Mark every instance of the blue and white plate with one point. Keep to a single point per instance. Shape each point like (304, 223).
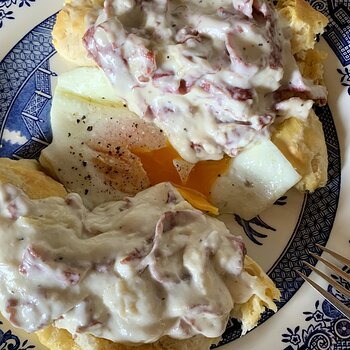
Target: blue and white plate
(279, 239)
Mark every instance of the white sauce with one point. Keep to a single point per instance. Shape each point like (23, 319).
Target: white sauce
(208, 73)
(128, 271)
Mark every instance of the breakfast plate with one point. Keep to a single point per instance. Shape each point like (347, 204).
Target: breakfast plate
(279, 239)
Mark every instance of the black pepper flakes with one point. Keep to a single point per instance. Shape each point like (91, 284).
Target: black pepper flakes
(89, 128)
(84, 163)
(69, 134)
(86, 191)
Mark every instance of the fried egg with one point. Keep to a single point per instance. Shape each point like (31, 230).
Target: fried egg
(104, 152)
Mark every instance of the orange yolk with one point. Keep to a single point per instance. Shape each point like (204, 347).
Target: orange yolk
(159, 167)
(197, 199)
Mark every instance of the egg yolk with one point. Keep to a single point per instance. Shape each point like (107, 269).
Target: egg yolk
(159, 167)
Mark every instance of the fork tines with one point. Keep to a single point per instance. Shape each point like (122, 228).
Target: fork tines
(331, 298)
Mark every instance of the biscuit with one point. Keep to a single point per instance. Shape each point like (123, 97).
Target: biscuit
(60, 339)
(29, 177)
(310, 63)
(303, 144)
(71, 24)
(264, 293)
(305, 23)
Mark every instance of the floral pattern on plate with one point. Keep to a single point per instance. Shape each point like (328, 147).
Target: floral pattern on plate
(328, 329)
(6, 13)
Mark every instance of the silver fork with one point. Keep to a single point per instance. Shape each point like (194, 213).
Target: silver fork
(331, 298)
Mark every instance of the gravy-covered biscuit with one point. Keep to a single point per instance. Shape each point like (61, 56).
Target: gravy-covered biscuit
(248, 313)
(305, 23)
(260, 291)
